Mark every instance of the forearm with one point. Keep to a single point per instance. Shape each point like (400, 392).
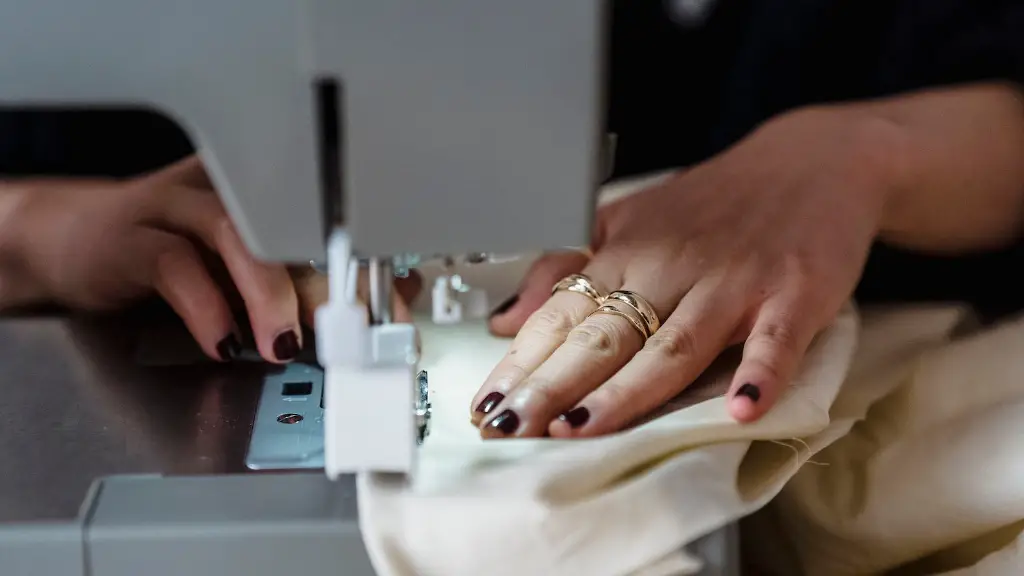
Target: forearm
(958, 166)
(17, 289)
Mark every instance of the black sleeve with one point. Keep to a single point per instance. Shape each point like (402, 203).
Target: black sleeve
(942, 42)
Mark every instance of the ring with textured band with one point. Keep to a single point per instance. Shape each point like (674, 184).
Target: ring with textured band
(623, 310)
(641, 305)
(580, 284)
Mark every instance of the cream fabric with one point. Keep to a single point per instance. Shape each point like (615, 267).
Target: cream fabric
(623, 504)
(932, 478)
(920, 469)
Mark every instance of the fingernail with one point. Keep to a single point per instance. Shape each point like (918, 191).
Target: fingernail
(505, 306)
(506, 422)
(286, 346)
(576, 417)
(229, 348)
(750, 391)
(489, 402)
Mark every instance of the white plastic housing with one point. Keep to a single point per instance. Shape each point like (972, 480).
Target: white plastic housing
(444, 307)
(451, 307)
(369, 380)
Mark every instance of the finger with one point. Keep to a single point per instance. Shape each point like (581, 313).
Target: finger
(409, 288)
(311, 287)
(269, 296)
(544, 331)
(690, 339)
(266, 289)
(401, 311)
(180, 278)
(509, 317)
(777, 342)
(592, 352)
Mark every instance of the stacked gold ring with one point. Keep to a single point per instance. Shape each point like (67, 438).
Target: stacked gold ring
(642, 307)
(634, 308)
(580, 284)
(617, 308)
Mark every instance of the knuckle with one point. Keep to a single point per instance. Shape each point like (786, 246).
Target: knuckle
(777, 334)
(174, 254)
(775, 344)
(169, 268)
(549, 322)
(219, 224)
(594, 336)
(613, 395)
(673, 343)
(769, 368)
(540, 392)
(506, 376)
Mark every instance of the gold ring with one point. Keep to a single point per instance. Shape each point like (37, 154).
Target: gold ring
(580, 284)
(617, 308)
(642, 307)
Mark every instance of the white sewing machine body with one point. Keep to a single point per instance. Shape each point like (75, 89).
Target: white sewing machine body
(405, 130)
(367, 135)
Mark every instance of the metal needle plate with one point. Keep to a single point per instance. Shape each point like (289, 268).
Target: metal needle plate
(288, 432)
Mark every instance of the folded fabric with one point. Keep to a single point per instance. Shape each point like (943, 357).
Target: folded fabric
(617, 505)
(930, 477)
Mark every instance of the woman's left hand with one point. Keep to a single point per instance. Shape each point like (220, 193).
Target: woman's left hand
(761, 245)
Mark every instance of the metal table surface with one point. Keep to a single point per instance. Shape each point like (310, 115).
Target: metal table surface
(76, 404)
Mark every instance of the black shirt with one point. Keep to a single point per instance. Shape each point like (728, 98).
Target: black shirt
(87, 143)
(680, 95)
(681, 92)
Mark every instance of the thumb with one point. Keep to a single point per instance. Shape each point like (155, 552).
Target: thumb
(188, 172)
(509, 317)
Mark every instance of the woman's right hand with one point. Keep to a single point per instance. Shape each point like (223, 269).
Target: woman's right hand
(99, 245)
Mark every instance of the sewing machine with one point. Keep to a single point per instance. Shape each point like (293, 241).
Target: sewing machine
(352, 136)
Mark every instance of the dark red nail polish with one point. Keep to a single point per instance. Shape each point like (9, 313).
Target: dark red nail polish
(505, 306)
(286, 346)
(750, 391)
(576, 417)
(229, 348)
(506, 422)
(489, 402)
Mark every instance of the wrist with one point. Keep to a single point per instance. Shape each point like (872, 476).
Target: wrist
(872, 161)
(878, 162)
(896, 170)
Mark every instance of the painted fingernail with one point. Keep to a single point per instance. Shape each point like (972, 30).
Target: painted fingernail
(489, 402)
(505, 306)
(229, 348)
(576, 417)
(506, 422)
(286, 346)
(750, 391)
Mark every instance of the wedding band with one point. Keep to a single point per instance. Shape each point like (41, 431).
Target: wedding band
(580, 284)
(642, 307)
(622, 310)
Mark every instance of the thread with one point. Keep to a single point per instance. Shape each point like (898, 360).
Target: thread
(797, 452)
